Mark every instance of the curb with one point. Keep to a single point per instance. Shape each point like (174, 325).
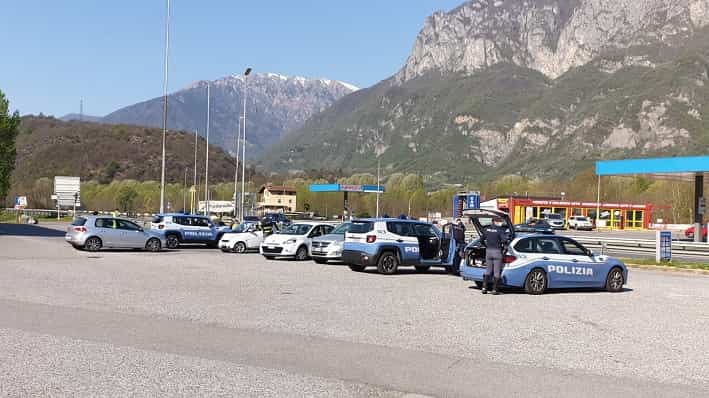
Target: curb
(664, 268)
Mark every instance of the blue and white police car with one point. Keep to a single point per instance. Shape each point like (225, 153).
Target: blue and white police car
(186, 229)
(538, 262)
(390, 243)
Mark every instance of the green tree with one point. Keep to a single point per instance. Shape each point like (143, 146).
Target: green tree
(8, 133)
(125, 197)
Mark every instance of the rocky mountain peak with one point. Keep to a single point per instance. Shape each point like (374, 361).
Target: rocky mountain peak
(550, 36)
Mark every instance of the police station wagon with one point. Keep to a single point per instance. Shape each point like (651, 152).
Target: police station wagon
(538, 262)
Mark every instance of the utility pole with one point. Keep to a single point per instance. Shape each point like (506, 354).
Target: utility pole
(206, 160)
(243, 149)
(378, 187)
(236, 169)
(164, 110)
(193, 191)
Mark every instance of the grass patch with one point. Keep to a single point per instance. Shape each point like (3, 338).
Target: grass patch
(672, 264)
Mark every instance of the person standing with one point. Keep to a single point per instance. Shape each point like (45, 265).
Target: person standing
(495, 236)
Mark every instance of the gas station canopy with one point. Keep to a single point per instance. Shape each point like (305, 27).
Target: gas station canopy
(346, 188)
(685, 168)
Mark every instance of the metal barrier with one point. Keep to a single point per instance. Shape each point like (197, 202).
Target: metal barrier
(643, 246)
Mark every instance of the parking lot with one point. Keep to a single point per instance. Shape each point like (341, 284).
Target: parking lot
(198, 322)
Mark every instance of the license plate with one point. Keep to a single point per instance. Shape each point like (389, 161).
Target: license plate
(271, 247)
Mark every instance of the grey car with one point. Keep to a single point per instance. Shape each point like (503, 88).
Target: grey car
(329, 247)
(92, 233)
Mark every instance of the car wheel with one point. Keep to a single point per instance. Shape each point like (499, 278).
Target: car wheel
(424, 268)
(153, 245)
(357, 268)
(239, 247)
(321, 261)
(301, 254)
(615, 280)
(536, 282)
(93, 244)
(388, 263)
(172, 242)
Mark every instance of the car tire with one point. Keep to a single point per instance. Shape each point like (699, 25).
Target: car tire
(239, 247)
(536, 282)
(269, 257)
(388, 263)
(172, 241)
(301, 254)
(422, 269)
(615, 280)
(77, 247)
(357, 268)
(321, 261)
(153, 245)
(93, 244)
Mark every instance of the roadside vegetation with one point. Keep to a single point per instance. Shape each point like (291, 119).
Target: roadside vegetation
(678, 264)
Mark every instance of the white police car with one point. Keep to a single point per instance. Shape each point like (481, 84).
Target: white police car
(538, 262)
(294, 240)
(390, 243)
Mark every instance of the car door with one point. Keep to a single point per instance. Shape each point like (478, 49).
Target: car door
(403, 236)
(132, 235)
(552, 258)
(106, 232)
(586, 271)
(429, 242)
(200, 230)
(314, 233)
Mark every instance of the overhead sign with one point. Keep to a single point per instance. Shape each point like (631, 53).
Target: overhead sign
(346, 188)
(20, 202)
(67, 190)
(473, 200)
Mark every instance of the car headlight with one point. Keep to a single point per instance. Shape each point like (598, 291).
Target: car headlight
(290, 241)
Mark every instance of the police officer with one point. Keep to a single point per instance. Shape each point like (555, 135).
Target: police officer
(460, 224)
(267, 226)
(494, 236)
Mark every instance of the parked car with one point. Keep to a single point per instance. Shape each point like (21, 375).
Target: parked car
(93, 233)
(246, 236)
(390, 243)
(535, 227)
(555, 220)
(539, 262)
(181, 229)
(580, 223)
(329, 247)
(689, 233)
(278, 219)
(294, 241)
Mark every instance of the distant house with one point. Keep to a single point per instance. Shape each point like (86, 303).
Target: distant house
(274, 198)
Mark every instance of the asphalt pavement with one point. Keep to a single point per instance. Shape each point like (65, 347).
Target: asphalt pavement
(198, 322)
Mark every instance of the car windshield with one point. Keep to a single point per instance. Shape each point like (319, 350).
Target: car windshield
(341, 229)
(361, 227)
(296, 229)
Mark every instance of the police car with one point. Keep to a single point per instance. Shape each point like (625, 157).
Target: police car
(538, 262)
(187, 228)
(390, 243)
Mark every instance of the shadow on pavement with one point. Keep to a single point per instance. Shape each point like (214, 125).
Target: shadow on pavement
(29, 230)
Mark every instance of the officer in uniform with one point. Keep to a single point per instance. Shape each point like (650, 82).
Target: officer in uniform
(495, 237)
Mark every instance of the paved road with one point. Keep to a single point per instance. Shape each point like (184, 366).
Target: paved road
(197, 322)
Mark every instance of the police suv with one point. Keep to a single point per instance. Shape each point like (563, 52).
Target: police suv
(538, 262)
(390, 243)
(187, 228)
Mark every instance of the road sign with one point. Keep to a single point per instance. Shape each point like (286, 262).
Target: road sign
(20, 202)
(68, 191)
(663, 246)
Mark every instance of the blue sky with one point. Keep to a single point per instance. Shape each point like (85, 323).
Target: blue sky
(110, 53)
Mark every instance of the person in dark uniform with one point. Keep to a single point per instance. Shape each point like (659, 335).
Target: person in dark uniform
(495, 237)
(267, 226)
(460, 224)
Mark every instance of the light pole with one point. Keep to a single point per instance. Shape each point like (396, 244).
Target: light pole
(164, 110)
(236, 168)
(193, 191)
(378, 188)
(206, 160)
(243, 149)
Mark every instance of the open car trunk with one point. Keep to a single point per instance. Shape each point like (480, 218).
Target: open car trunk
(481, 218)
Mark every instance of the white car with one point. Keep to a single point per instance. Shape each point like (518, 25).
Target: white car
(294, 241)
(580, 222)
(247, 236)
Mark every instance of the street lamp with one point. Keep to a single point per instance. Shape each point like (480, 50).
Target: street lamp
(164, 110)
(247, 72)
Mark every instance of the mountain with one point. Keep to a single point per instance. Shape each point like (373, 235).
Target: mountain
(535, 87)
(276, 104)
(82, 118)
(47, 147)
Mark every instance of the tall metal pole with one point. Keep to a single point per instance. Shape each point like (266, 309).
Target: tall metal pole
(378, 189)
(598, 203)
(243, 149)
(236, 169)
(193, 195)
(164, 109)
(184, 193)
(206, 161)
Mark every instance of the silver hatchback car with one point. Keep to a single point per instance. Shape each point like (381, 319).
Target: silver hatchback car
(92, 233)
